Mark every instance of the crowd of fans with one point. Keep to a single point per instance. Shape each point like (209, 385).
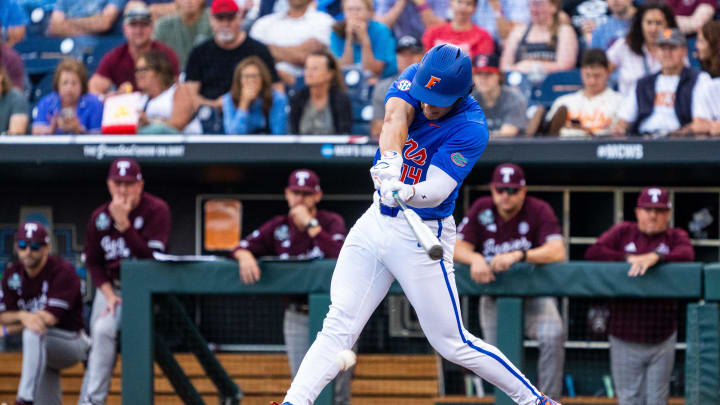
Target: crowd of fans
(304, 67)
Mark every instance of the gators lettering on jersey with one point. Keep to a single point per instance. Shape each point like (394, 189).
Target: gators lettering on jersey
(453, 143)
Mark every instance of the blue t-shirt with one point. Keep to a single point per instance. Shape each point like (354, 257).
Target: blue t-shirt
(453, 143)
(86, 8)
(11, 15)
(88, 110)
(605, 34)
(254, 121)
(383, 47)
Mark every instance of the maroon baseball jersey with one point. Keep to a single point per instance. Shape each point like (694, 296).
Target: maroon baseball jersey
(642, 320)
(105, 246)
(687, 7)
(280, 237)
(56, 289)
(483, 227)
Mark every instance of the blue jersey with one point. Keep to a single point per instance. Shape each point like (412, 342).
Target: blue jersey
(453, 143)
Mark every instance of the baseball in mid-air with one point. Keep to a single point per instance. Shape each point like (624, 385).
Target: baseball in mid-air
(346, 359)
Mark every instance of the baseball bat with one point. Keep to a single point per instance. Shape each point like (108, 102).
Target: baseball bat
(429, 242)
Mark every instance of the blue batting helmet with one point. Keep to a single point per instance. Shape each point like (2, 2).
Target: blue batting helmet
(443, 76)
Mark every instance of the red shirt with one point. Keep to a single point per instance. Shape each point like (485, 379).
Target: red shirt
(491, 235)
(642, 320)
(119, 66)
(55, 289)
(687, 7)
(475, 41)
(106, 247)
(280, 237)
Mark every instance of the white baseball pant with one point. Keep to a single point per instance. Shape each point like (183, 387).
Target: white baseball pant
(378, 250)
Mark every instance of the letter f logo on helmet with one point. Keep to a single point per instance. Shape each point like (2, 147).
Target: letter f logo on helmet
(431, 82)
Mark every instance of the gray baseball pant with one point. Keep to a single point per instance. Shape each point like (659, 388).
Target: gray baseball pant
(44, 355)
(103, 352)
(641, 372)
(296, 329)
(543, 323)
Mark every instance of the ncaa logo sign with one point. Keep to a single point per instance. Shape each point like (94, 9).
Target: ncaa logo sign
(403, 85)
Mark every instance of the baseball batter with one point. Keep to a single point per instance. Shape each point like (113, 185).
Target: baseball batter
(41, 299)
(432, 135)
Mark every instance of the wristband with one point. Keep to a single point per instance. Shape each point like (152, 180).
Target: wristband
(524, 255)
(423, 7)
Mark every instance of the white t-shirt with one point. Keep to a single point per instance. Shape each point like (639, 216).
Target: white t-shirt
(281, 30)
(631, 66)
(663, 118)
(595, 113)
(709, 106)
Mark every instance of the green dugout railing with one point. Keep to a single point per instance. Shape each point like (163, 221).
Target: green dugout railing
(142, 279)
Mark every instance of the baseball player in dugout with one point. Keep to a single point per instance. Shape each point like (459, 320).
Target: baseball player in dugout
(643, 332)
(133, 224)
(304, 232)
(506, 228)
(41, 299)
(432, 135)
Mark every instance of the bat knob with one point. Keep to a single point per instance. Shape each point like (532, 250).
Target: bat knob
(436, 252)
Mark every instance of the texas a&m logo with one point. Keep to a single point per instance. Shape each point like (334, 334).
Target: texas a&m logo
(30, 229)
(431, 82)
(418, 155)
(302, 177)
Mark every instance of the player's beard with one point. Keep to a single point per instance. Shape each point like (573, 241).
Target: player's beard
(225, 36)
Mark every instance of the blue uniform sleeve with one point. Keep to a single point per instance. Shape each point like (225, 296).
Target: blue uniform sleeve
(383, 44)
(401, 87)
(461, 150)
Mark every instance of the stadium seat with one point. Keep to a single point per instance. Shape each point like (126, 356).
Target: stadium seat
(39, 20)
(211, 120)
(692, 52)
(42, 54)
(554, 86)
(103, 46)
(42, 88)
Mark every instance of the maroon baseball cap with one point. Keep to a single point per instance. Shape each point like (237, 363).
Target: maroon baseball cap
(654, 197)
(304, 180)
(508, 175)
(32, 232)
(224, 7)
(125, 169)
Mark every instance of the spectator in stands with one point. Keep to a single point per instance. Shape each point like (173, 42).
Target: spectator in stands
(292, 35)
(411, 17)
(665, 102)
(41, 299)
(14, 109)
(362, 41)
(162, 8)
(13, 63)
(543, 46)
(323, 107)
(643, 332)
(184, 29)
(592, 110)
(691, 15)
(305, 232)
(134, 224)
(117, 67)
(13, 21)
(69, 109)
(208, 82)
(167, 104)
(635, 55)
(616, 26)
(499, 17)
(252, 106)
(509, 228)
(72, 18)
(461, 31)
(409, 50)
(504, 106)
(708, 47)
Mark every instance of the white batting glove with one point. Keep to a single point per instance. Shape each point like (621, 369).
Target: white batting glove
(405, 192)
(389, 167)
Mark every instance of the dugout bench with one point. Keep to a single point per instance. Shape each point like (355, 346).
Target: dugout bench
(580, 279)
